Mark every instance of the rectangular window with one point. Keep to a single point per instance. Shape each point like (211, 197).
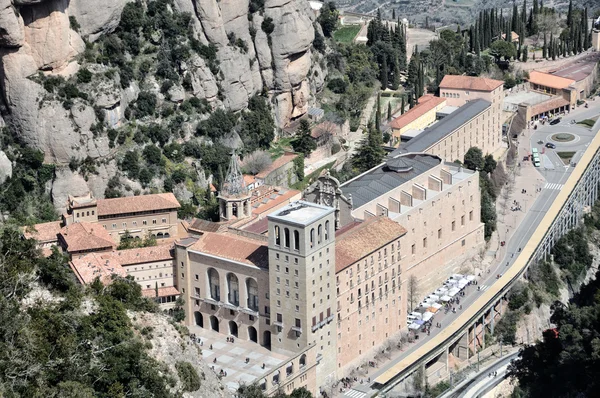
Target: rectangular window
(413, 249)
(164, 220)
(114, 226)
(279, 318)
(197, 291)
(124, 225)
(145, 222)
(471, 215)
(196, 276)
(298, 323)
(462, 220)
(92, 212)
(153, 221)
(424, 242)
(453, 225)
(463, 242)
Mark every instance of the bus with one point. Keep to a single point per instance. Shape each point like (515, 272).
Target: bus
(536, 159)
(534, 151)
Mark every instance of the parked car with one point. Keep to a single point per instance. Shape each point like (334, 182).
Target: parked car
(550, 145)
(555, 121)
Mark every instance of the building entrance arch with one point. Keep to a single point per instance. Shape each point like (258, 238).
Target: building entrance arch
(214, 323)
(233, 328)
(267, 339)
(199, 319)
(252, 335)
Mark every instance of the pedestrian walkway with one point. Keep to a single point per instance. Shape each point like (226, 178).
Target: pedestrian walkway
(354, 394)
(483, 288)
(557, 187)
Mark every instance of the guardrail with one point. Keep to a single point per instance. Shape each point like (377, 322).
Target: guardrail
(530, 252)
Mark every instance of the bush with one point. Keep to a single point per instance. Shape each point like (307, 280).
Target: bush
(84, 75)
(337, 85)
(146, 104)
(73, 24)
(267, 25)
(152, 154)
(188, 376)
(256, 161)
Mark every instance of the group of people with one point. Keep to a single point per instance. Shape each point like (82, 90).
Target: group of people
(516, 206)
(195, 339)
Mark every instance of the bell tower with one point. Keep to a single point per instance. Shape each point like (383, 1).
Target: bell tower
(234, 198)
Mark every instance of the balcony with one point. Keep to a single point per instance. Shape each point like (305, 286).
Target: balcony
(230, 306)
(249, 311)
(278, 323)
(297, 329)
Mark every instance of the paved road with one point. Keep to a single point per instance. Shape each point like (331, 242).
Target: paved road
(535, 212)
(482, 382)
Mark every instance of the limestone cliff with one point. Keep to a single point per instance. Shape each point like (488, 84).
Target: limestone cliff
(40, 39)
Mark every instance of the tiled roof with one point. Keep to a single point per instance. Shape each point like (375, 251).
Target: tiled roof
(277, 163)
(133, 204)
(233, 247)
(86, 236)
(249, 179)
(91, 265)
(45, 232)
(426, 104)
(380, 180)
(143, 255)
(363, 239)
(548, 105)
(548, 80)
(162, 292)
(470, 83)
(200, 225)
(436, 132)
(281, 198)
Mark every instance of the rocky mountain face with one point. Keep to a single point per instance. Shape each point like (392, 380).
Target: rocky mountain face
(261, 47)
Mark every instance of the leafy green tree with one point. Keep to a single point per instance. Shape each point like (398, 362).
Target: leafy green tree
(474, 159)
(188, 376)
(303, 142)
(370, 153)
(489, 164)
(328, 18)
(502, 50)
(152, 154)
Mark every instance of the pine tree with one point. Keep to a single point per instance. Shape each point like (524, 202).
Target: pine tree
(525, 53)
(389, 113)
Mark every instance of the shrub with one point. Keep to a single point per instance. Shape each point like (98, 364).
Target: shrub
(337, 85)
(152, 154)
(188, 376)
(267, 25)
(256, 161)
(84, 75)
(146, 104)
(73, 24)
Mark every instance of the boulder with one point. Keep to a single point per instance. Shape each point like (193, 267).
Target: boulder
(95, 19)
(11, 26)
(5, 167)
(83, 116)
(176, 94)
(47, 32)
(67, 183)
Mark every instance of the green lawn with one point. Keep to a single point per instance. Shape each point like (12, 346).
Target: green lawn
(346, 34)
(565, 156)
(589, 122)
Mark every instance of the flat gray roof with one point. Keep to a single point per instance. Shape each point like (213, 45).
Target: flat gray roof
(444, 127)
(381, 179)
(300, 213)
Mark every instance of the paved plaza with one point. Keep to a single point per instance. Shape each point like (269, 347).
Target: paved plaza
(231, 357)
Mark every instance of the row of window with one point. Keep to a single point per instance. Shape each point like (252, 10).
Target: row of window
(287, 243)
(134, 223)
(83, 213)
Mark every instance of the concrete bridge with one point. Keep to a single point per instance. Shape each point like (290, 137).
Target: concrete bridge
(467, 333)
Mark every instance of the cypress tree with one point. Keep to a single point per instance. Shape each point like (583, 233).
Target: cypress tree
(403, 105)
(515, 17)
(525, 53)
(389, 115)
(393, 13)
(535, 8)
(410, 100)
(544, 48)
(378, 114)
(588, 36)
(384, 73)
(396, 77)
(570, 14)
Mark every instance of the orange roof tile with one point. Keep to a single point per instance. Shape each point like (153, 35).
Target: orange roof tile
(134, 204)
(143, 255)
(363, 239)
(549, 105)
(470, 83)
(426, 104)
(233, 247)
(91, 265)
(277, 163)
(162, 292)
(548, 80)
(86, 236)
(249, 179)
(43, 233)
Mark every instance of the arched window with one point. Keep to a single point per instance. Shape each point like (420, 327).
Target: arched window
(320, 233)
(312, 237)
(303, 360)
(296, 240)
(327, 230)
(277, 235)
(286, 237)
(252, 289)
(233, 294)
(213, 280)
